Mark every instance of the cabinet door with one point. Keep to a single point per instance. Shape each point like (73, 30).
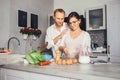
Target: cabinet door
(8, 74)
(34, 76)
(0, 74)
(113, 30)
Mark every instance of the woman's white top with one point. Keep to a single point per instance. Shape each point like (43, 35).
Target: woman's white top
(80, 43)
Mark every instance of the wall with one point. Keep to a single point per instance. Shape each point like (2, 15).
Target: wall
(4, 21)
(10, 21)
(78, 5)
(113, 20)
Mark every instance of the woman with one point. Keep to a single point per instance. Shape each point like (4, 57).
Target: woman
(75, 40)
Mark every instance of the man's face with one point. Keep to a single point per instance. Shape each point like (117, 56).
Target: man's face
(59, 18)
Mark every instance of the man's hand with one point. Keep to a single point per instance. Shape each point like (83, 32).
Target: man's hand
(63, 33)
(60, 36)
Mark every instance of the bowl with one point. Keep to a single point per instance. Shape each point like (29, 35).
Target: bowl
(84, 59)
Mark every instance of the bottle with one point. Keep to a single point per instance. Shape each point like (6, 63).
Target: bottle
(57, 55)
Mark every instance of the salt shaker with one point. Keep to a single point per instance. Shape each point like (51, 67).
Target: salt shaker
(57, 55)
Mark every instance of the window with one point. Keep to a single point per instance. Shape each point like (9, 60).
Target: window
(22, 18)
(34, 21)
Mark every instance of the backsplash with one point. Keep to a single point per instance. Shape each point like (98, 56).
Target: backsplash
(99, 37)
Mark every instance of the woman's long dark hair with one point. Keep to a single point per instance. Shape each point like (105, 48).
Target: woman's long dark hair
(73, 14)
(77, 16)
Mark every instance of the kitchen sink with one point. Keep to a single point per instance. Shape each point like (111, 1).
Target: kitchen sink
(10, 58)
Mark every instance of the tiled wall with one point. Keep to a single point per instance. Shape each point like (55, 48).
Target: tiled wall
(99, 37)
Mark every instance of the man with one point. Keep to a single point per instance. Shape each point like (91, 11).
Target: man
(56, 31)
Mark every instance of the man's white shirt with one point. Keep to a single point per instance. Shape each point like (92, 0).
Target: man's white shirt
(51, 33)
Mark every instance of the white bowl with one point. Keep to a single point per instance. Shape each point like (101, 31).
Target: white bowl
(84, 59)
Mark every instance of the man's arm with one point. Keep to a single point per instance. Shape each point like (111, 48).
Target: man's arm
(52, 42)
(49, 41)
(56, 39)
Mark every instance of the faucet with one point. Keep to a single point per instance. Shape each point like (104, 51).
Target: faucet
(11, 39)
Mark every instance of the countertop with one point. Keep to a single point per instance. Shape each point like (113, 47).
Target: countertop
(99, 71)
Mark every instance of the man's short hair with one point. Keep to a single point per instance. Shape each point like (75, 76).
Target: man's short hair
(59, 10)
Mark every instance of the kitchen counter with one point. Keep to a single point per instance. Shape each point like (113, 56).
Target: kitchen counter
(108, 71)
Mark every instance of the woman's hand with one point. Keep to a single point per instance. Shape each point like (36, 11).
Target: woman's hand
(77, 55)
(66, 50)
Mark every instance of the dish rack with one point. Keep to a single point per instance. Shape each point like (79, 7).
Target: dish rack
(99, 57)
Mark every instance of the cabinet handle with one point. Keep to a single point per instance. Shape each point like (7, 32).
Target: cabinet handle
(108, 52)
(108, 49)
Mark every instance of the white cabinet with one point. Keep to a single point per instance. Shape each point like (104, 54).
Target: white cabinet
(0, 74)
(8, 74)
(34, 76)
(95, 18)
(113, 30)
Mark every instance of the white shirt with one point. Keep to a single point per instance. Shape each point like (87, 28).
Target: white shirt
(51, 33)
(83, 41)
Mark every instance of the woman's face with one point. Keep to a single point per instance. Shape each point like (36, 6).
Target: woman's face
(74, 23)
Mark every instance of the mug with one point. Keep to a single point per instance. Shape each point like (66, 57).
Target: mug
(84, 56)
(84, 59)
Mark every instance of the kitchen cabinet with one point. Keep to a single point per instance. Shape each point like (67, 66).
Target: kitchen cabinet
(95, 18)
(8, 74)
(113, 30)
(0, 74)
(34, 76)
(20, 71)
